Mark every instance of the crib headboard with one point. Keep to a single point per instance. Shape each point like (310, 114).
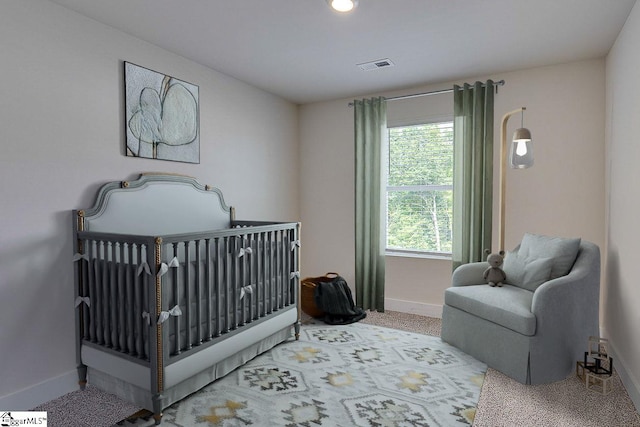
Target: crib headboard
(157, 204)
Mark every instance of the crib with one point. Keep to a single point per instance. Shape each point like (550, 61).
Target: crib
(172, 292)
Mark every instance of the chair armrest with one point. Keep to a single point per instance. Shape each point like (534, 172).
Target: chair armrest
(580, 289)
(469, 274)
(567, 313)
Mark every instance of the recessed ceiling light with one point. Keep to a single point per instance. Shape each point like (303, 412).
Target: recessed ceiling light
(343, 5)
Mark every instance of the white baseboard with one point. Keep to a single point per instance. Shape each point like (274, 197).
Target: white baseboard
(631, 383)
(411, 307)
(30, 397)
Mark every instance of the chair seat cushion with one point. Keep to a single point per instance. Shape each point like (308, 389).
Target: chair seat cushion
(508, 306)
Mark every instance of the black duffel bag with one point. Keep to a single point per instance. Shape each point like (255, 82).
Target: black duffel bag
(334, 298)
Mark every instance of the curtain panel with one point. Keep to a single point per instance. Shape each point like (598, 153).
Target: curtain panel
(472, 171)
(370, 125)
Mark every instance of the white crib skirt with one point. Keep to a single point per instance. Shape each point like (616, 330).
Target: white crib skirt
(132, 382)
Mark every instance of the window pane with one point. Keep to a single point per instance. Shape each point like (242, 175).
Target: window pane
(421, 154)
(419, 220)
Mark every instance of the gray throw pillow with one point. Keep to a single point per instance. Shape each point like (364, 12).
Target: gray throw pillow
(563, 251)
(526, 273)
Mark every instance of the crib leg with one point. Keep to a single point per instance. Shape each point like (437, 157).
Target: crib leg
(82, 376)
(157, 408)
(296, 328)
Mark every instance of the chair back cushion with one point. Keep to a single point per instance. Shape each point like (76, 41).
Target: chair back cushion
(562, 250)
(526, 273)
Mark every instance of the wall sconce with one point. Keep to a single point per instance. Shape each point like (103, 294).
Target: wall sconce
(521, 157)
(343, 5)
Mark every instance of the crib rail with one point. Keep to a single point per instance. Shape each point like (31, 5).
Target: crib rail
(114, 291)
(209, 284)
(228, 280)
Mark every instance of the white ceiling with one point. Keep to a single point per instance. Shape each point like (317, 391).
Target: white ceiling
(304, 52)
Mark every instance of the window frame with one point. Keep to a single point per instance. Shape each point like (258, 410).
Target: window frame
(413, 253)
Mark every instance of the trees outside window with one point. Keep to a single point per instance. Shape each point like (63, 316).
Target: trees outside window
(420, 188)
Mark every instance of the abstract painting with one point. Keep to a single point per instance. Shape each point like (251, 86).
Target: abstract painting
(162, 116)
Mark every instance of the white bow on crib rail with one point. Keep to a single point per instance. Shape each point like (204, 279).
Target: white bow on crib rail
(174, 263)
(164, 315)
(294, 274)
(294, 244)
(246, 289)
(78, 256)
(146, 315)
(80, 300)
(244, 251)
(144, 267)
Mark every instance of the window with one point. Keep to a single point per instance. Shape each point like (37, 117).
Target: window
(420, 188)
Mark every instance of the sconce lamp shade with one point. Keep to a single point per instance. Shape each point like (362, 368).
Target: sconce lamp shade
(521, 149)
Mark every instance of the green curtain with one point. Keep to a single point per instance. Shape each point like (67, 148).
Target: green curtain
(472, 171)
(370, 123)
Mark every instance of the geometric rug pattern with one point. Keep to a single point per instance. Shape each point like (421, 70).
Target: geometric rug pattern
(342, 375)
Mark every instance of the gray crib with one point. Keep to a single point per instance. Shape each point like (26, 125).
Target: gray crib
(172, 292)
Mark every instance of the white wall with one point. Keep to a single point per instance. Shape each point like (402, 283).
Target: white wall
(61, 134)
(622, 294)
(562, 195)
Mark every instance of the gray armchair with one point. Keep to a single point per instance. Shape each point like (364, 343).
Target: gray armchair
(533, 336)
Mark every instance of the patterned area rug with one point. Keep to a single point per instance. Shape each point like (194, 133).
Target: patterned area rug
(353, 375)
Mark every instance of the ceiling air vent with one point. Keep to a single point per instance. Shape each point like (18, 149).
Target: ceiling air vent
(374, 65)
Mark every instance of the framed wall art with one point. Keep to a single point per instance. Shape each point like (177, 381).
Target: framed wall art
(162, 116)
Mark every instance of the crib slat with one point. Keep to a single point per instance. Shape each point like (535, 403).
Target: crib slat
(129, 284)
(120, 301)
(286, 269)
(279, 270)
(106, 295)
(249, 281)
(233, 292)
(218, 288)
(97, 272)
(269, 273)
(208, 284)
(176, 296)
(113, 295)
(280, 261)
(98, 293)
(91, 280)
(252, 279)
(261, 277)
(243, 282)
(293, 256)
(137, 308)
(146, 279)
(225, 284)
(84, 291)
(188, 294)
(100, 281)
(198, 285)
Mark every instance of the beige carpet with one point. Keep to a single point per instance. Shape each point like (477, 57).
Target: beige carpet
(86, 408)
(507, 403)
(503, 401)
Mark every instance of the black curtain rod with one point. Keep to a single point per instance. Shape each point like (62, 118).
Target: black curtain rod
(435, 92)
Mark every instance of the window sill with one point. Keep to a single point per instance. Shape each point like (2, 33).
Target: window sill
(416, 254)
